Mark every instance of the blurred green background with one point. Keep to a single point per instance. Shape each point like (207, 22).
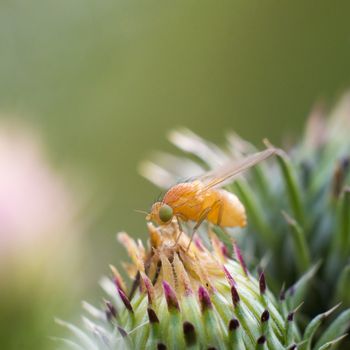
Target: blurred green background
(105, 80)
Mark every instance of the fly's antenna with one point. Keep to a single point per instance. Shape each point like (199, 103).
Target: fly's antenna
(160, 196)
(141, 211)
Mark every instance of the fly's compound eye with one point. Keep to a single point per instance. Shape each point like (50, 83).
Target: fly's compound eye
(165, 213)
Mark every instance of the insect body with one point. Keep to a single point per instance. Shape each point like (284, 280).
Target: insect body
(189, 201)
(203, 199)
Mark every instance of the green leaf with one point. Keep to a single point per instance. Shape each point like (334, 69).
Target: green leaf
(301, 249)
(192, 314)
(313, 326)
(337, 328)
(255, 212)
(234, 335)
(290, 326)
(296, 293)
(343, 232)
(293, 190)
(332, 343)
(343, 286)
(261, 181)
(175, 336)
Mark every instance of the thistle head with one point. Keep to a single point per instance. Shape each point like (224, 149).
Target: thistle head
(194, 296)
(184, 297)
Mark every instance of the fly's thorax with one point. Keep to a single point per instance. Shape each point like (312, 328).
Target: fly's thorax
(181, 192)
(186, 199)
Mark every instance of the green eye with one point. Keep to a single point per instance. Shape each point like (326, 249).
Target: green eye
(165, 213)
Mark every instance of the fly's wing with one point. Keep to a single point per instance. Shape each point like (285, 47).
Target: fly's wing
(233, 169)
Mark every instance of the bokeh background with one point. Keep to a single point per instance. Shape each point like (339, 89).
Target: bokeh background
(101, 83)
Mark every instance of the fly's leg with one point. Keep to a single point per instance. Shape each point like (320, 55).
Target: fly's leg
(178, 217)
(217, 204)
(221, 210)
(202, 217)
(220, 204)
(180, 228)
(219, 220)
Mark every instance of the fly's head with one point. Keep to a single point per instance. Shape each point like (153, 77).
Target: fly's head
(161, 213)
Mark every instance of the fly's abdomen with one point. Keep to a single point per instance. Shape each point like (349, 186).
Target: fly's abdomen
(226, 209)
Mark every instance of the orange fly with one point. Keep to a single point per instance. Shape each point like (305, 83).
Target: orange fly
(203, 199)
